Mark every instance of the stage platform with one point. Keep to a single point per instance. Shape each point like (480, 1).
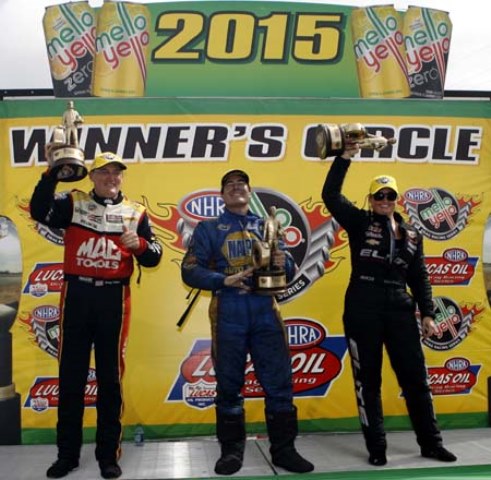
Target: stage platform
(335, 456)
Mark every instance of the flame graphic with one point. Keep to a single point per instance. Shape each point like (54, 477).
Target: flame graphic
(164, 220)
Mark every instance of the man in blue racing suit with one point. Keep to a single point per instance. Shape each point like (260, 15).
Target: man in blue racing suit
(220, 259)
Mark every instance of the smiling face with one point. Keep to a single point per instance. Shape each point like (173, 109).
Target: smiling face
(383, 202)
(107, 180)
(236, 194)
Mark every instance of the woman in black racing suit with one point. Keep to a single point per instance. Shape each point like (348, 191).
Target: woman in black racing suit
(386, 258)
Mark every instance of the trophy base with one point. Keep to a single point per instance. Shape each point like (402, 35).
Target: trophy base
(67, 164)
(269, 282)
(329, 140)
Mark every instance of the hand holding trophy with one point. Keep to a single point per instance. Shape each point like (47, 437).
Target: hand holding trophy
(332, 139)
(268, 278)
(65, 158)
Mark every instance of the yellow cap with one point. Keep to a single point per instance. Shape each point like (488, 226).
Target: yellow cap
(107, 158)
(383, 181)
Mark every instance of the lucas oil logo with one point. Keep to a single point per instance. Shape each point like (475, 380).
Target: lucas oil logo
(454, 267)
(437, 213)
(456, 377)
(44, 392)
(316, 360)
(45, 278)
(309, 233)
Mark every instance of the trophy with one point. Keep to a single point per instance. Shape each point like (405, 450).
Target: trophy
(332, 139)
(65, 157)
(268, 279)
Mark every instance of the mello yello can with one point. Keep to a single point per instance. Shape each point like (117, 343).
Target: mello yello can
(69, 31)
(379, 51)
(122, 43)
(427, 33)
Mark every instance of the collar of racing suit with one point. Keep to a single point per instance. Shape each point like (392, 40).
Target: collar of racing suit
(106, 201)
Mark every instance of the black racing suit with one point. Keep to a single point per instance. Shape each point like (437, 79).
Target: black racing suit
(94, 306)
(380, 311)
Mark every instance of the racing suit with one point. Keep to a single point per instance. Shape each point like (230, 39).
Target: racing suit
(242, 322)
(380, 311)
(94, 305)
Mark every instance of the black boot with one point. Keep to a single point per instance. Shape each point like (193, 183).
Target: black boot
(282, 431)
(231, 434)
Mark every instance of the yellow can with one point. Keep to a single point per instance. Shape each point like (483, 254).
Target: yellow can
(122, 43)
(379, 50)
(69, 30)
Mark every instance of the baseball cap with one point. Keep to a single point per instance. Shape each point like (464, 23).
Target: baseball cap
(234, 173)
(383, 181)
(107, 158)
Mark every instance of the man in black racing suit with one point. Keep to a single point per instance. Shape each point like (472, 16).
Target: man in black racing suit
(104, 232)
(386, 258)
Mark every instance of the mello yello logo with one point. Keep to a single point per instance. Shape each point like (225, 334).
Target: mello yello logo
(120, 41)
(377, 45)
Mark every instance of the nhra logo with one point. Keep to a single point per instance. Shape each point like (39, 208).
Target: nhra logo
(44, 393)
(309, 233)
(45, 278)
(453, 323)
(316, 362)
(456, 377)
(43, 325)
(454, 267)
(436, 213)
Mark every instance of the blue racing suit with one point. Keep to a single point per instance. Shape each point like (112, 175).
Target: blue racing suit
(242, 321)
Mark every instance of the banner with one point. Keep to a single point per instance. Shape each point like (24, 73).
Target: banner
(246, 49)
(177, 151)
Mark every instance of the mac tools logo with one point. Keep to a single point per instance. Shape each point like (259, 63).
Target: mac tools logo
(316, 362)
(436, 213)
(310, 234)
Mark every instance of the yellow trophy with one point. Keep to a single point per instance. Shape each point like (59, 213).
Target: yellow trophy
(268, 279)
(65, 158)
(332, 139)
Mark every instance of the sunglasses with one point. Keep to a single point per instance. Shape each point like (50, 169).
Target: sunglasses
(391, 196)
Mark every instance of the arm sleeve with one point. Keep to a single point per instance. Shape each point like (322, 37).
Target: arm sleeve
(419, 283)
(46, 208)
(150, 251)
(338, 205)
(197, 266)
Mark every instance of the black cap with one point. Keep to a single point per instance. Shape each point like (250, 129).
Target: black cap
(235, 173)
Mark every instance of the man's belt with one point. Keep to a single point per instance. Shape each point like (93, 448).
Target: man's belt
(97, 282)
(384, 282)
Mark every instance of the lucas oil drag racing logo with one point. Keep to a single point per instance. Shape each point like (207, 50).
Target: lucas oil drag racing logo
(317, 360)
(310, 234)
(436, 213)
(453, 267)
(456, 377)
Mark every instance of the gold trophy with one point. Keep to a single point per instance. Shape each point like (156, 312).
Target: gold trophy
(332, 139)
(65, 158)
(268, 279)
